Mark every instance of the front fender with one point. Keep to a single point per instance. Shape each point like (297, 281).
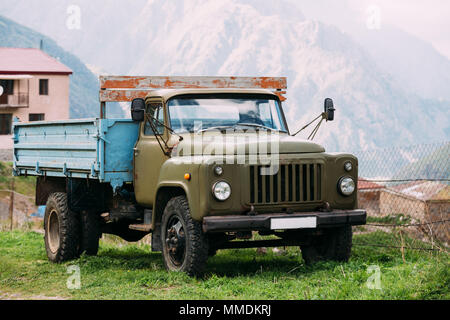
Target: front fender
(172, 176)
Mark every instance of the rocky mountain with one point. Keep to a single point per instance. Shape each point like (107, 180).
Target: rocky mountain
(413, 63)
(262, 38)
(239, 38)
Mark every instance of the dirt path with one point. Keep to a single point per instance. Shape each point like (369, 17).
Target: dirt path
(19, 296)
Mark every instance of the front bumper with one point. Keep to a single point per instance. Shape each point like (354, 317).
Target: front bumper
(263, 222)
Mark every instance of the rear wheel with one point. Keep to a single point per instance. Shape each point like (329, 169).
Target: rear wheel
(61, 228)
(335, 244)
(212, 252)
(90, 233)
(184, 246)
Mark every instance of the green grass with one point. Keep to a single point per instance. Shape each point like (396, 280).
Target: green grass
(23, 185)
(397, 219)
(132, 271)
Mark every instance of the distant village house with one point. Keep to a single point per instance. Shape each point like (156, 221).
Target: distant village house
(34, 87)
(422, 201)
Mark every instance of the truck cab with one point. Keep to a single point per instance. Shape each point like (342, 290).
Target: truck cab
(207, 163)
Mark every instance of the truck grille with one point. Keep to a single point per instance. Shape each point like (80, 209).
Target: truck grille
(292, 183)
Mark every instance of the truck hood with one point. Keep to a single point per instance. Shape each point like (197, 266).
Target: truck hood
(206, 144)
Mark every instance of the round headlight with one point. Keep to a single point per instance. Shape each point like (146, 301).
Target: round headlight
(346, 186)
(221, 190)
(218, 170)
(348, 166)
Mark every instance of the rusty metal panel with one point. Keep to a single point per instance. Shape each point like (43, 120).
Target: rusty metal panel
(136, 82)
(121, 95)
(127, 88)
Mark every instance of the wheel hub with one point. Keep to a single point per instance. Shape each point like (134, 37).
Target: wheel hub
(175, 240)
(53, 231)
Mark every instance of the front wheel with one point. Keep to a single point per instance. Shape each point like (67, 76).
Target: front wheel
(184, 246)
(335, 244)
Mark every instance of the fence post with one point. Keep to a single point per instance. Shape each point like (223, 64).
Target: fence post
(11, 204)
(403, 245)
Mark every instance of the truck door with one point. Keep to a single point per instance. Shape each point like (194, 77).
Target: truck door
(148, 155)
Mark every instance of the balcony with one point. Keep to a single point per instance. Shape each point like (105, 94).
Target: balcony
(18, 100)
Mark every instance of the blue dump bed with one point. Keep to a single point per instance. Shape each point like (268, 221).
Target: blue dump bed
(99, 149)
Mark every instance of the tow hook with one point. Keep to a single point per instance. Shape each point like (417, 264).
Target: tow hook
(252, 211)
(326, 207)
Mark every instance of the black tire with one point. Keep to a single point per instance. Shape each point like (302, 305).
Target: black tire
(62, 229)
(184, 245)
(212, 252)
(334, 245)
(90, 233)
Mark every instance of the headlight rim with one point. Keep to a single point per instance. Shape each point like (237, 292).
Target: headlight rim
(214, 187)
(340, 188)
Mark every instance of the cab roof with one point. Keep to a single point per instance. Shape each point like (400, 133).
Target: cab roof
(166, 94)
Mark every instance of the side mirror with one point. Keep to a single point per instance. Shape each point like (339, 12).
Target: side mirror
(329, 109)
(137, 109)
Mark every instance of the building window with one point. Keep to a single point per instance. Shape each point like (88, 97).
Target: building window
(43, 87)
(36, 117)
(8, 86)
(5, 123)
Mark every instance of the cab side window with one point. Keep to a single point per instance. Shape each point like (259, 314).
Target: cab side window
(155, 111)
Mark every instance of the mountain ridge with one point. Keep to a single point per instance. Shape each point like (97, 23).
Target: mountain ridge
(263, 38)
(84, 84)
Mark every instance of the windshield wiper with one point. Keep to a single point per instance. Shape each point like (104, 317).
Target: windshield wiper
(258, 126)
(237, 125)
(215, 128)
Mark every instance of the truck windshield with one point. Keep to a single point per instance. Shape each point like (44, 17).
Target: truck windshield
(194, 114)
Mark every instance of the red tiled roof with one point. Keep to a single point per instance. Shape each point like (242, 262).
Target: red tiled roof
(29, 61)
(425, 190)
(364, 184)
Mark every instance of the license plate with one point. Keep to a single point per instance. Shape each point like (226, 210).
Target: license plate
(293, 223)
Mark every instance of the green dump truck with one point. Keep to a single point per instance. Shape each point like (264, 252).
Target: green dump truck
(204, 163)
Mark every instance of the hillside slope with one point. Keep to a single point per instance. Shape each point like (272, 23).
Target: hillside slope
(221, 37)
(375, 108)
(83, 83)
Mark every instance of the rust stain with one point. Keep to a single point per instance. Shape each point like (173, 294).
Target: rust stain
(140, 82)
(270, 83)
(121, 95)
(110, 84)
(280, 95)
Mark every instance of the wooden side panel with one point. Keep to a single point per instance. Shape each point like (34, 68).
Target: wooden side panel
(131, 82)
(127, 88)
(119, 95)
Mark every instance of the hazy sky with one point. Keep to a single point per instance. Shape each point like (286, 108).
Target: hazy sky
(426, 19)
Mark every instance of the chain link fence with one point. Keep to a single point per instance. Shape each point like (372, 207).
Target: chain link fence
(17, 208)
(17, 211)
(406, 192)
